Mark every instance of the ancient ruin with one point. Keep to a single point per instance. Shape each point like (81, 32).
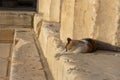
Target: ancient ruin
(32, 32)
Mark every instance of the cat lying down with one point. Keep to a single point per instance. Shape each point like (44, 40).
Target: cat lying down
(86, 45)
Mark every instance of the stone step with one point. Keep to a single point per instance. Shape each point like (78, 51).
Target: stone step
(5, 49)
(20, 57)
(26, 62)
(16, 18)
(6, 35)
(6, 41)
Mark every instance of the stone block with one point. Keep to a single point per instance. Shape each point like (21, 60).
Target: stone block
(90, 18)
(6, 35)
(37, 23)
(26, 62)
(3, 68)
(77, 19)
(106, 25)
(51, 50)
(117, 38)
(67, 19)
(16, 19)
(80, 19)
(55, 10)
(44, 7)
(5, 50)
(50, 9)
(60, 73)
(47, 29)
(49, 42)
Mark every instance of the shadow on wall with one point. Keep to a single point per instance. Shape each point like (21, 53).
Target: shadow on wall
(18, 4)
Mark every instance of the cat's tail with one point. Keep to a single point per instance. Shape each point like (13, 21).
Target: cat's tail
(106, 46)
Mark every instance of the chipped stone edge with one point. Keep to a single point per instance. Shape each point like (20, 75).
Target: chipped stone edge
(60, 69)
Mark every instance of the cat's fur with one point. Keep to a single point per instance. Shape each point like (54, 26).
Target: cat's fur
(87, 45)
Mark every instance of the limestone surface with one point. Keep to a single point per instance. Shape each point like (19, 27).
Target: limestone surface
(26, 62)
(100, 65)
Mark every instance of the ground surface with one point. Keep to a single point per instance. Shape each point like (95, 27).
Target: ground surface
(21, 59)
(101, 65)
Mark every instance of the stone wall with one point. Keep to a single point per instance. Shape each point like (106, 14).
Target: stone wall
(50, 9)
(98, 19)
(84, 18)
(78, 18)
(90, 18)
(106, 24)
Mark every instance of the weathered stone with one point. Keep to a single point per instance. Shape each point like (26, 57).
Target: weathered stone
(3, 68)
(67, 19)
(102, 66)
(107, 21)
(6, 35)
(3, 78)
(37, 23)
(44, 7)
(117, 38)
(55, 10)
(84, 69)
(26, 62)
(49, 44)
(47, 29)
(16, 19)
(50, 9)
(5, 50)
(90, 18)
(77, 19)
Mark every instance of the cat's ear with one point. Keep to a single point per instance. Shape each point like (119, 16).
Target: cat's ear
(69, 39)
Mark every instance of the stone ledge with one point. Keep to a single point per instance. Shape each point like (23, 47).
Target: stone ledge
(16, 18)
(26, 61)
(101, 65)
(37, 22)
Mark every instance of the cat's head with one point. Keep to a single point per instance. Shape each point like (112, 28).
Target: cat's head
(72, 44)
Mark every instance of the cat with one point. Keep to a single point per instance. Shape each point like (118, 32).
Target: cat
(86, 45)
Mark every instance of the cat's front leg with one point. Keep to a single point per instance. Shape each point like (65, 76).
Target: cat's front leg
(64, 52)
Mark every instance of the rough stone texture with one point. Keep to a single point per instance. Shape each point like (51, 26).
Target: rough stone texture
(37, 23)
(90, 18)
(26, 62)
(52, 48)
(50, 9)
(106, 24)
(3, 68)
(97, 19)
(55, 10)
(117, 34)
(19, 19)
(6, 35)
(77, 19)
(44, 7)
(67, 19)
(6, 39)
(84, 18)
(103, 66)
(5, 50)
(100, 65)
(45, 34)
(47, 39)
